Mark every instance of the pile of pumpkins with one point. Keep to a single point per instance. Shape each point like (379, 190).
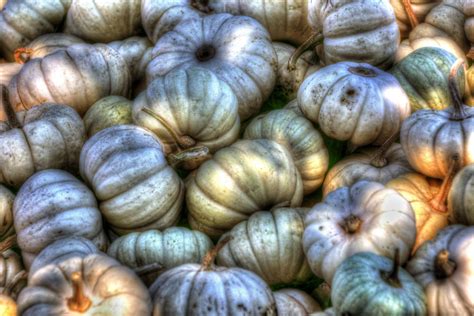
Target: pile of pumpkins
(236, 157)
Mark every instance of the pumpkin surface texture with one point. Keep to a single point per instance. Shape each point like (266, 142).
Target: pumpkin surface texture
(293, 302)
(461, 196)
(6, 212)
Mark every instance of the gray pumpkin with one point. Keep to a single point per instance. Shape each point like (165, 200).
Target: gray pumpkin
(136, 51)
(367, 283)
(52, 205)
(461, 196)
(6, 213)
(293, 302)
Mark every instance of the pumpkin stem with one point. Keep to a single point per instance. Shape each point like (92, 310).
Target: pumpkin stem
(8, 243)
(443, 266)
(78, 302)
(392, 276)
(210, 256)
(192, 156)
(182, 141)
(458, 113)
(7, 108)
(439, 201)
(351, 224)
(22, 55)
(201, 5)
(378, 159)
(312, 41)
(411, 15)
(205, 53)
(149, 268)
(20, 276)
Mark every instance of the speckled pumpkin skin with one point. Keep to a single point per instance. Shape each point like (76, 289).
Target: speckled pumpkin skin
(293, 302)
(461, 196)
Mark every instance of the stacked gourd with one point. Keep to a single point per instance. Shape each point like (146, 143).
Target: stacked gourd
(195, 157)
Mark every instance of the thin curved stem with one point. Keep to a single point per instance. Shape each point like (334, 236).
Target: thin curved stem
(312, 41)
(210, 256)
(378, 158)
(411, 15)
(439, 202)
(8, 243)
(79, 302)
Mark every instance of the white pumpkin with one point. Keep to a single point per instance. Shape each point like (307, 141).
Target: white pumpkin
(354, 102)
(236, 48)
(136, 51)
(293, 302)
(409, 46)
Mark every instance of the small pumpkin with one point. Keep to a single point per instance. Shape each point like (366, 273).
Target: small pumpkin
(53, 204)
(77, 76)
(461, 196)
(93, 285)
(107, 112)
(215, 42)
(424, 76)
(364, 217)
(373, 164)
(187, 108)
(410, 13)
(359, 30)
(354, 102)
(45, 45)
(409, 46)
(302, 140)
(427, 198)
(62, 250)
(23, 21)
(10, 267)
(270, 245)
(103, 21)
(6, 212)
(126, 168)
(171, 248)
(443, 267)
(431, 138)
(7, 72)
(293, 302)
(137, 53)
(48, 136)
(203, 289)
(367, 283)
(246, 177)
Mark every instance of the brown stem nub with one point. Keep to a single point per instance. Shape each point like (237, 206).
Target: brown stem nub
(22, 55)
(351, 224)
(378, 159)
(443, 266)
(78, 302)
(458, 113)
(149, 268)
(181, 141)
(411, 15)
(439, 201)
(210, 256)
(391, 277)
(205, 53)
(201, 5)
(7, 108)
(8, 243)
(311, 42)
(10, 286)
(192, 156)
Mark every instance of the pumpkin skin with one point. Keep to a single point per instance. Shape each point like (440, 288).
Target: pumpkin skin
(421, 192)
(77, 76)
(347, 37)
(293, 302)
(62, 250)
(350, 219)
(420, 8)
(50, 137)
(111, 288)
(127, 170)
(103, 21)
(469, 96)
(246, 177)
(354, 102)
(193, 103)
(364, 165)
(447, 293)
(290, 80)
(107, 112)
(6, 212)
(250, 69)
(409, 46)
(361, 286)
(270, 245)
(45, 45)
(461, 196)
(7, 72)
(137, 53)
(191, 290)
(53, 204)
(424, 76)
(10, 266)
(469, 23)
(171, 248)
(302, 140)
(23, 21)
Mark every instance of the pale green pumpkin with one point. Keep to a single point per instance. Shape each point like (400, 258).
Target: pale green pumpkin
(461, 196)
(424, 76)
(107, 112)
